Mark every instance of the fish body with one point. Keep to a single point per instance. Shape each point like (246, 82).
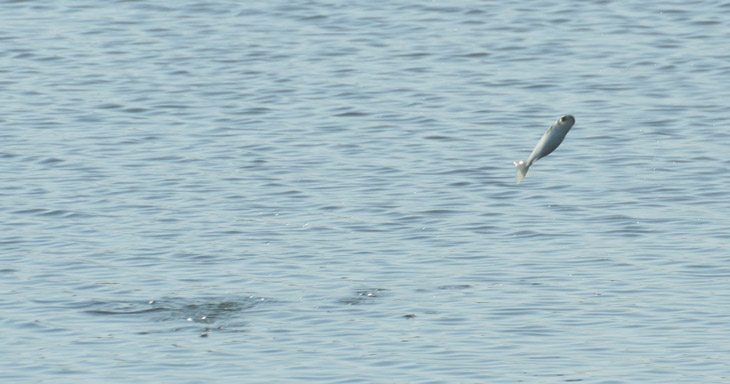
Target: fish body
(549, 142)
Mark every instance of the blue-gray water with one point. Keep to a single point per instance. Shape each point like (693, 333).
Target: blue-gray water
(314, 191)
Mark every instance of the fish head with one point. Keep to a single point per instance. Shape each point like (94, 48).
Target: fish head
(565, 123)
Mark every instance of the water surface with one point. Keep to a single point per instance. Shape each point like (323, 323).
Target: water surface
(269, 192)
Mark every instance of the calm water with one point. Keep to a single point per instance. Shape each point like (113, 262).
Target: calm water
(298, 192)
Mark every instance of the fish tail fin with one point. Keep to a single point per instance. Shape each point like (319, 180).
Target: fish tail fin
(522, 168)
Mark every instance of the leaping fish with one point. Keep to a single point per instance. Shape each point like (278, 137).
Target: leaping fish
(549, 142)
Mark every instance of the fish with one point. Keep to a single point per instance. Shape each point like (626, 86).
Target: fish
(549, 142)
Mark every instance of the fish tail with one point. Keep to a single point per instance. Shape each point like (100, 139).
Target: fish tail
(522, 168)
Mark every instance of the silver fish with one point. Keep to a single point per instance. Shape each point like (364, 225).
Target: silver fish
(550, 140)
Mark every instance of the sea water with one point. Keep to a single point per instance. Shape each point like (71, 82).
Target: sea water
(323, 192)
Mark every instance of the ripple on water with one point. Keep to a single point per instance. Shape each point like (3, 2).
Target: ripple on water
(220, 313)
